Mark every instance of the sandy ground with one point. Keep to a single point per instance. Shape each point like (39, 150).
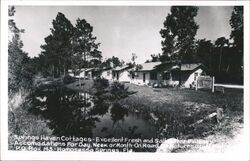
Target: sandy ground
(221, 143)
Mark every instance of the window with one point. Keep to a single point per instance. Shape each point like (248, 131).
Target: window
(133, 75)
(108, 73)
(166, 76)
(153, 76)
(203, 73)
(195, 75)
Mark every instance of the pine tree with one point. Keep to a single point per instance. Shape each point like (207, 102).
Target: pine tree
(236, 23)
(19, 71)
(57, 50)
(179, 35)
(84, 44)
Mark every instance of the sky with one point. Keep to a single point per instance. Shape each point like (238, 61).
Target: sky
(121, 30)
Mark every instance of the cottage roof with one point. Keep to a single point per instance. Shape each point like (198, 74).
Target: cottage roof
(189, 67)
(121, 68)
(88, 69)
(168, 66)
(149, 66)
(85, 70)
(106, 69)
(165, 66)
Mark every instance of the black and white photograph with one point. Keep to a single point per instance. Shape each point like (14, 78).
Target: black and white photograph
(126, 78)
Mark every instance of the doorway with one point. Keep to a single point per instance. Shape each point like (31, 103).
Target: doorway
(144, 77)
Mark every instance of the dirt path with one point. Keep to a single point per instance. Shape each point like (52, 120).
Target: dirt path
(227, 138)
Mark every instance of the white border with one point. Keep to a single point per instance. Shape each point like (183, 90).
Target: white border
(20, 155)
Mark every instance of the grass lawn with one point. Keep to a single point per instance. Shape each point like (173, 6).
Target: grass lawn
(83, 86)
(232, 97)
(187, 103)
(181, 107)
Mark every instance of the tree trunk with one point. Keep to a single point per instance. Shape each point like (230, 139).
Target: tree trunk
(210, 59)
(64, 70)
(220, 59)
(84, 69)
(228, 67)
(53, 71)
(59, 69)
(179, 74)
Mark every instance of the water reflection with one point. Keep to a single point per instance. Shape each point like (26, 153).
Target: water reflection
(118, 112)
(66, 110)
(81, 114)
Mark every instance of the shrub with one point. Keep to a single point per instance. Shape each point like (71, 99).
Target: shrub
(68, 79)
(101, 83)
(119, 91)
(21, 121)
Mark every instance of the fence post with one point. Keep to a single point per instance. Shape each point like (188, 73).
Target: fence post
(213, 84)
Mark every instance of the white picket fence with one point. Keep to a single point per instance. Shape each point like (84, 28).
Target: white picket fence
(222, 86)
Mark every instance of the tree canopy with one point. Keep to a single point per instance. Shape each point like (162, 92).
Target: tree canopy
(69, 47)
(236, 23)
(221, 58)
(57, 47)
(112, 62)
(19, 70)
(179, 33)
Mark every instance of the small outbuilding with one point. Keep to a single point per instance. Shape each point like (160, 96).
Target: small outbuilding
(88, 73)
(121, 74)
(107, 74)
(188, 73)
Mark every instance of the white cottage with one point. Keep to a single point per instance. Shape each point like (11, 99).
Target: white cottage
(189, 73)
(107, 74)
(146, 74)
(87, 73)
(166, 74)
(72, 74)
(122, 74)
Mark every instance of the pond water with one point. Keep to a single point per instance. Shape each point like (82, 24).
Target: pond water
(72, 113)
